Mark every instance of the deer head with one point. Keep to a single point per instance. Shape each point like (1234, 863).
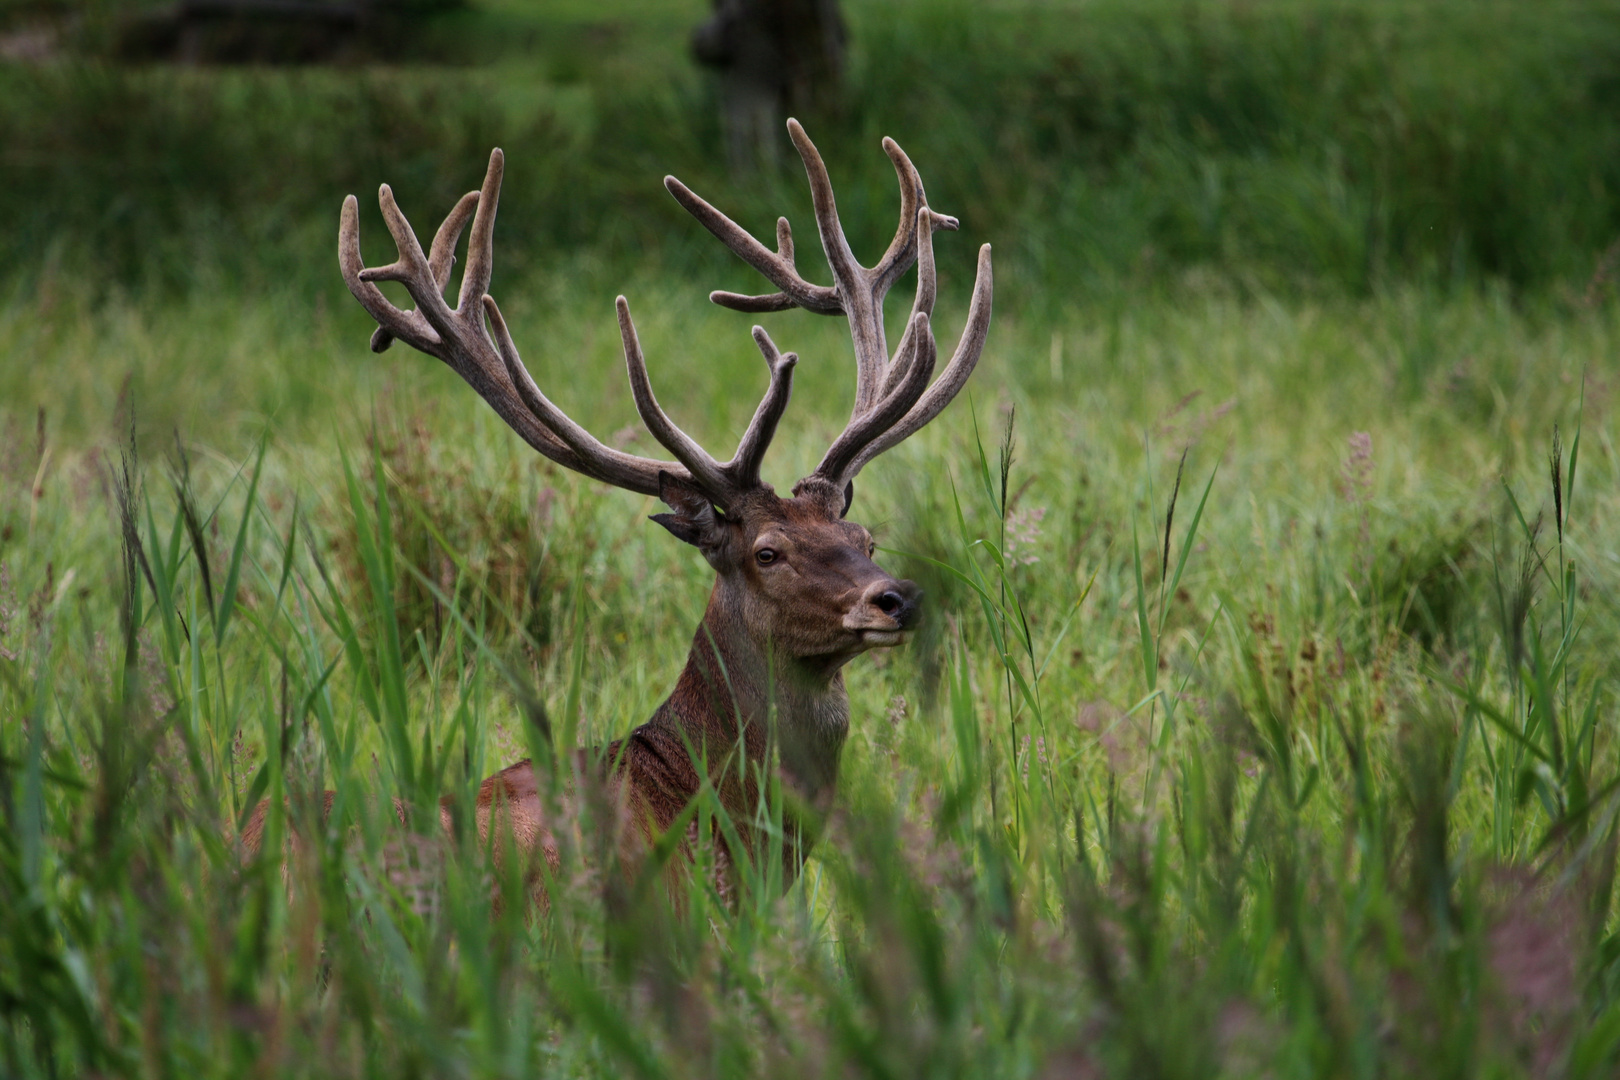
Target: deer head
(795, 578)
(794, 574)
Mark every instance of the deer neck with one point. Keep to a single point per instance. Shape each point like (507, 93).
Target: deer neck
(737, 692)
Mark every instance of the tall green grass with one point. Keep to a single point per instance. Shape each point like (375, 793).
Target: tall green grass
(1302, 765)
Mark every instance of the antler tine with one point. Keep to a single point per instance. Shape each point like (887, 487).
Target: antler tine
(492, 367)
(927, 293)
(784, 240)
(481, 242)
(558, 425)
(861, 305)
(708, 473)
(836, 464)
(955, 376)
(905, 234)
(413, 270)
(412, 264)
(758, 305)
(777, 301)
(909, 233)
(777, 267)
(836, 246)
(892, 396)
(441, 256)
(744, 466)
(409, 326)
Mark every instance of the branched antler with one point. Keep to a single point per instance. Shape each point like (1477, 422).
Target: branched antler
(488, 359)
(893, 395)
(893, 398)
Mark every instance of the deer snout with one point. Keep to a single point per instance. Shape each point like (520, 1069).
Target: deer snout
(888, 604)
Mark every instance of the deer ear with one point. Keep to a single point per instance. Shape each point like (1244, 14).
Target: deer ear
(694, 519)
(849, 498)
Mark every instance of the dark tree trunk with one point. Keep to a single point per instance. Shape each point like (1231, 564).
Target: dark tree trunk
(774, 57)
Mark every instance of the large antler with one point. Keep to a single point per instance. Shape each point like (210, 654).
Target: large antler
(492, 367)
(893, 398)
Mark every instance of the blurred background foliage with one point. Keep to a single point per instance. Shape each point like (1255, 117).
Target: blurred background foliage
(1281, 147)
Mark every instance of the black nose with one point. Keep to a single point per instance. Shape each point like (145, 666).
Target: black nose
(901, 603)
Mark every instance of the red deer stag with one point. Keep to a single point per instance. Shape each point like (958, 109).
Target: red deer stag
(796, 593)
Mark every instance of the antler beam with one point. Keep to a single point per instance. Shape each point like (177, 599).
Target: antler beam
(488, 359)
(893, 399)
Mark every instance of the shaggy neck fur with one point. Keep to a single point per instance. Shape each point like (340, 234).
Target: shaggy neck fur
(737, 693)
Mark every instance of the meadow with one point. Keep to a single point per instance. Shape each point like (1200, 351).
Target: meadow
(1263, 721)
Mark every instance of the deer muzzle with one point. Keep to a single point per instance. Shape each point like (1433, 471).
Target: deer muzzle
(886, 610)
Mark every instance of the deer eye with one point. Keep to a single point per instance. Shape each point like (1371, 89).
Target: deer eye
(765, 556)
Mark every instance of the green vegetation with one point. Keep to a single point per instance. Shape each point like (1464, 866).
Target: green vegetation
(1284, 146)
(1316, 776)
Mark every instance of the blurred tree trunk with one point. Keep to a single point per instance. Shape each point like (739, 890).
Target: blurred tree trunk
(773, 57)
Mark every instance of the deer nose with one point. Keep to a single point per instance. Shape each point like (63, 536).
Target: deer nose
(898, 600)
